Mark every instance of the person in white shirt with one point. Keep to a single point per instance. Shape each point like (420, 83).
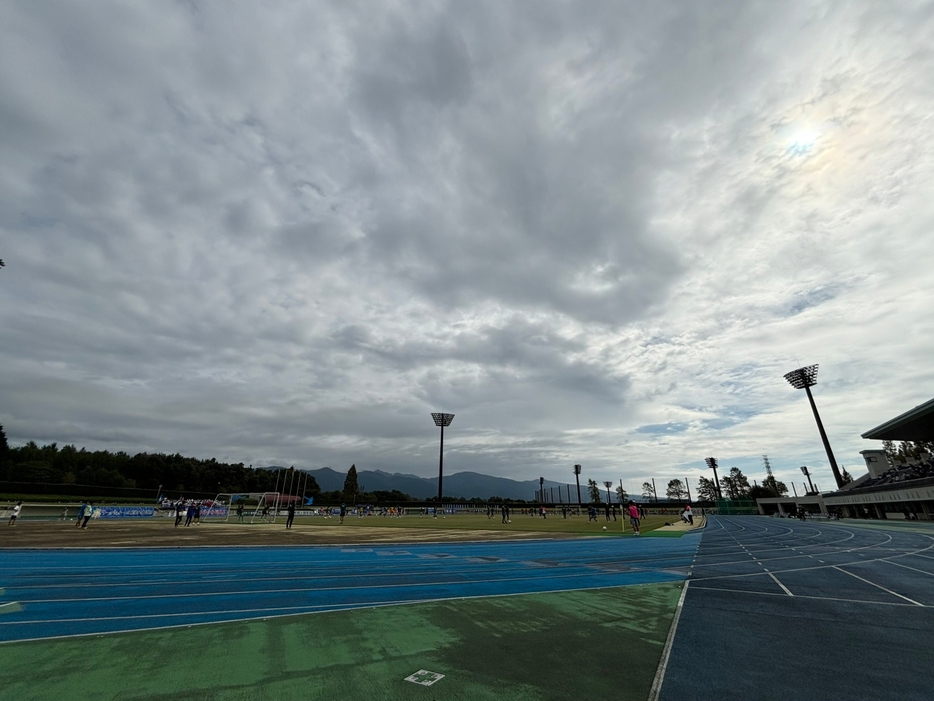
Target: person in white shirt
(15, 515)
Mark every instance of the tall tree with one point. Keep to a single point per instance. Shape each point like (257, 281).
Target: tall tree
(735, 484)
(775, 487)
(845, 476)
(350, 483)
(676, 489)
(648, 490)
(608, 484)
(594, 490)
(621, 494)
(707, 489)
(4, 446)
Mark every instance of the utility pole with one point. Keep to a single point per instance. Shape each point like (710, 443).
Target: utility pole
(577, 477)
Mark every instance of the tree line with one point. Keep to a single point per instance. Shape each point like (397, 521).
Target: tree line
(50, 464)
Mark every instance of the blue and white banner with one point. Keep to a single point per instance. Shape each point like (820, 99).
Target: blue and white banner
(123, 511)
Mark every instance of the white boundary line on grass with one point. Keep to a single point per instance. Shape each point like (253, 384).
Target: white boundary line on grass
(666, 652)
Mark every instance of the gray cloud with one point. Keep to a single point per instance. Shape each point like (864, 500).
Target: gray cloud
(597, 233)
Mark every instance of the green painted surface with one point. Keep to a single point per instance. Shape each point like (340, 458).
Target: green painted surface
(589, 644)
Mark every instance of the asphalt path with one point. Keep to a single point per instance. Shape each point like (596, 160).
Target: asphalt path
(60, 593)
(784, 609)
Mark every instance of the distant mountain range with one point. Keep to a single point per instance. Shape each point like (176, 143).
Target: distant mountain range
(458, 484)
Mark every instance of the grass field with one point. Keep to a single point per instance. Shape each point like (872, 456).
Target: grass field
(584, 644)
(534, 646)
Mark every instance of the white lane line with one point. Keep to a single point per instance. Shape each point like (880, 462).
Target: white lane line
(666, 652)
(805, 596)
(784, 588)
(893, 593)
(898, 564)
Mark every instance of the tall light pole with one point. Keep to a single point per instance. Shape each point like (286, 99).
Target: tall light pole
(441, 420)
(577, 477)
(712, 464)
(608, 484)
(807, 473)
(805, 378)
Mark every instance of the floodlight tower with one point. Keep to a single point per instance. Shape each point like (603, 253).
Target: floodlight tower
(712, 464)
(807, 473)
(805, 378)
(577, 477)
(441, 420)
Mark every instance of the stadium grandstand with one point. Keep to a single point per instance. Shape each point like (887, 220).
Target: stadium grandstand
(900, 487)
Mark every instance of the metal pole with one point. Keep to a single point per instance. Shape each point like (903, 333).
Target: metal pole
(577, 478)
(621, 490)
(569, 493)
(823, 437)
(794, 490)
(716, 481)
(440, 468)
(654, 490)
(688, 486)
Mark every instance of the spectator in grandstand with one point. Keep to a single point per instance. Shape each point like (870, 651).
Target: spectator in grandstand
(290, 515)
(15, 514)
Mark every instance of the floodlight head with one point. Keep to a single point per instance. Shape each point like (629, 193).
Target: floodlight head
(804, 470)
(577, 469)
(711, 463)
(802, 377)
(442, 419)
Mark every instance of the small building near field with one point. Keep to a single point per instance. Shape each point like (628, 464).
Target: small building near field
(788, 506)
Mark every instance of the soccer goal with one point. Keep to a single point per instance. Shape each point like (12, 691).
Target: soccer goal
(258, 507)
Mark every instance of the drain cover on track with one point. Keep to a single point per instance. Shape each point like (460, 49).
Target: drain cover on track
(424, 677)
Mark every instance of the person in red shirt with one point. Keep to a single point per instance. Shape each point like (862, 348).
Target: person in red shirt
(634, 517)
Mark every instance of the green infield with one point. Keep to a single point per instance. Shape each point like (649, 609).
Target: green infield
(603, 643)
(574, 525)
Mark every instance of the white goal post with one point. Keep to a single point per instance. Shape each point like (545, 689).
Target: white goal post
(258, 506)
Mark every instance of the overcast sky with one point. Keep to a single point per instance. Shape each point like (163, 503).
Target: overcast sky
(598, 233)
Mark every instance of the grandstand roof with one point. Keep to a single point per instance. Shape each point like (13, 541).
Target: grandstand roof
(914, 425)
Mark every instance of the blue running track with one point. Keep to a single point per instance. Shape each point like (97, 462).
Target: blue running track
(54, 593)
